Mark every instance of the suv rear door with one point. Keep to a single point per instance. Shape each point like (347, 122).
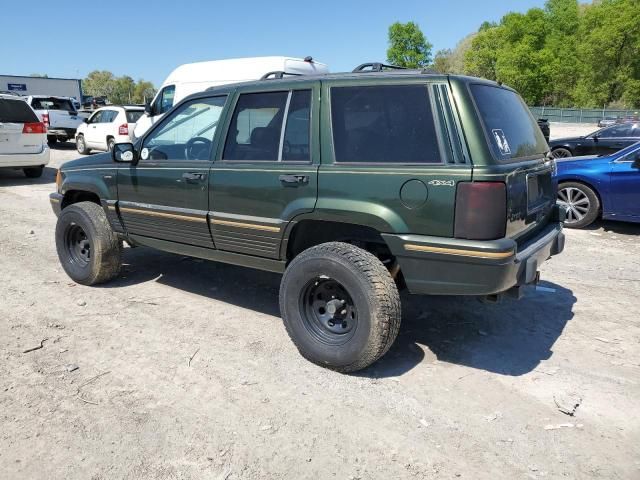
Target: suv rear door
(265, 173)
(14, 114)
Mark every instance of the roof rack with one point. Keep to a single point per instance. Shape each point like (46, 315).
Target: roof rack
(278, 74)
(375, 67)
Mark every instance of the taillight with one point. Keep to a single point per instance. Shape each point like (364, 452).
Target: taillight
(481, 210)
(123, 129)
(45, 119)
(34, 127)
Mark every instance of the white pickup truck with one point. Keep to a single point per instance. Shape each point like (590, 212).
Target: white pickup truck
(58, 114)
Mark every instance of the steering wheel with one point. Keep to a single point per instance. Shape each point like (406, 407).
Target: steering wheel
(191, 152)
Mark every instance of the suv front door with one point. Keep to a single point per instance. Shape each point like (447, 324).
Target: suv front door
(266, 171)
(164, 196)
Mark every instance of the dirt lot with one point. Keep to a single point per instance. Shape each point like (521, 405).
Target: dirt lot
(185, 371)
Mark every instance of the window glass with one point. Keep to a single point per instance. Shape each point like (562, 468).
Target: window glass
(188, 133)
(255, 128)
(295, 146)
(623, 130)
(391, 124)
(512, 130)
(16, 111)
(52, 103)
(133, 115)
(165, 99)
(108, 116)
(97, 117)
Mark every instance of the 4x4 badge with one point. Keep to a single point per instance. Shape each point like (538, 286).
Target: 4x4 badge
(442, 183)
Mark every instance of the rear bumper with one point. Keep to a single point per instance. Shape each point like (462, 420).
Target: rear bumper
(446, 266)
(62, 132)
(25, 159)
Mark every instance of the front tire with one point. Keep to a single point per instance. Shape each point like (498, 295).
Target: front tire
(33, 172)
(561, 153)
(340, 306)
(81, 145)
(89, 250)
(581, 202)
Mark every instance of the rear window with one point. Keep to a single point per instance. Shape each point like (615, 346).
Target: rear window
(513, 132)
(52, 104)
(383, 124)
(133, 115)
(16, 111)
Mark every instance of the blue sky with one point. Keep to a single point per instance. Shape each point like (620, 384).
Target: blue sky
(148, 39)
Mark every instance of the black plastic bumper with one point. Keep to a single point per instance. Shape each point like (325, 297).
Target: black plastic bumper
(56, 203)
(439, 266)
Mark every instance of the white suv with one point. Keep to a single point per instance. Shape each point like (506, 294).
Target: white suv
(23, 137)
(106, 127)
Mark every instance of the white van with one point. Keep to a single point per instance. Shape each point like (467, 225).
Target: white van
(197, 77)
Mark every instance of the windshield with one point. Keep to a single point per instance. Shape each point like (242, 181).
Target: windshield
(512, 130)
(52, 103)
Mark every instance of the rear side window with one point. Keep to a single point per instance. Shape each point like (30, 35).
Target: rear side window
(513, 132)
(52, 104)
(255, 128)
(108, 116)
(133, 115)
(16, 111)
(295, 146)
(384, 124)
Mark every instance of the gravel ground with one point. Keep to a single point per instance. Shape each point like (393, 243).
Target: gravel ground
(184, 371)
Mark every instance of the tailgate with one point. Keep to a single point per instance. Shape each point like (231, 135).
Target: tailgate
(64, 119)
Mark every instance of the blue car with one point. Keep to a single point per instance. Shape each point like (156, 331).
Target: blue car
(606, 187)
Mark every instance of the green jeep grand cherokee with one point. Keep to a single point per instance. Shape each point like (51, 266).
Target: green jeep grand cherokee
(351, 185)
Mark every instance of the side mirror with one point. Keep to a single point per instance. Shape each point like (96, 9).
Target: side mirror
(595, 137)
(124, 153)
(148, 108)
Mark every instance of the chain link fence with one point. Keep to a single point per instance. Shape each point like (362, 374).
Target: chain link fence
(579, 115)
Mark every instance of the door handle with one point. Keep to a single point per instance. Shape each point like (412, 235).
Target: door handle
(193, 177)
(294, 180)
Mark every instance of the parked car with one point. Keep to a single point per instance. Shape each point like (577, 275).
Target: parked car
(23, 137)
(351, 194)
(197, 77)
(606, 187)
(545, 128)
(93, 102)
(106, 127)
(601, 142)
(607, 122)
(58, 114)
(628, 119)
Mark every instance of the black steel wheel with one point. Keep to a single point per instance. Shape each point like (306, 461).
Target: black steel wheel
(340, 306)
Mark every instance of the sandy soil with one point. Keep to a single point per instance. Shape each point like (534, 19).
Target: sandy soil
(184, 371)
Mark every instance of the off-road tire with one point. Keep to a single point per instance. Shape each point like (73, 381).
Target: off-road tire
(373, 293)
(81, 145)
(105, 247)
(594, 204)
(33, 172)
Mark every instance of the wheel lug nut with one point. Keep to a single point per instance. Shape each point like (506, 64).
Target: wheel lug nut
(331, 324)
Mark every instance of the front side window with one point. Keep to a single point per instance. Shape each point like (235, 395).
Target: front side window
(165, 99)
(96, 117)
(255, 128)
(617, 131)
(108, 116)
(187, 134)
(383, 124)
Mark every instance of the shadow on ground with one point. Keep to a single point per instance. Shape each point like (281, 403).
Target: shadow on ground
(508, 338)
(11, 177)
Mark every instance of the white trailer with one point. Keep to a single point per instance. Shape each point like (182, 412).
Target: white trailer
(57, 87)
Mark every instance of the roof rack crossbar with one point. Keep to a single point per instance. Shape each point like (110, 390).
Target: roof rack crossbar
(375, 67)
(277, 75)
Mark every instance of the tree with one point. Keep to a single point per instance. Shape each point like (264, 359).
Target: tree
(408, 47)
(123, 90)
(143, 92)
(118, 90)
(99, 83)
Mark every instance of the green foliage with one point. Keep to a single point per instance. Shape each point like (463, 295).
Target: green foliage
(118, 90)
(566, 54)
(408, 47)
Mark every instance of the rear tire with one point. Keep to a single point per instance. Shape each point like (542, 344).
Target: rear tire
(33, 172)
(81, 145)
(581, 202)
(89, 250)
(561, 153)
(52, 139)
(340, 306)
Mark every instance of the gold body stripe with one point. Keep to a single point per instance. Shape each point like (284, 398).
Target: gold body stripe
(162, 214)
(252, 226)
(456, 251)
(54, 200)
